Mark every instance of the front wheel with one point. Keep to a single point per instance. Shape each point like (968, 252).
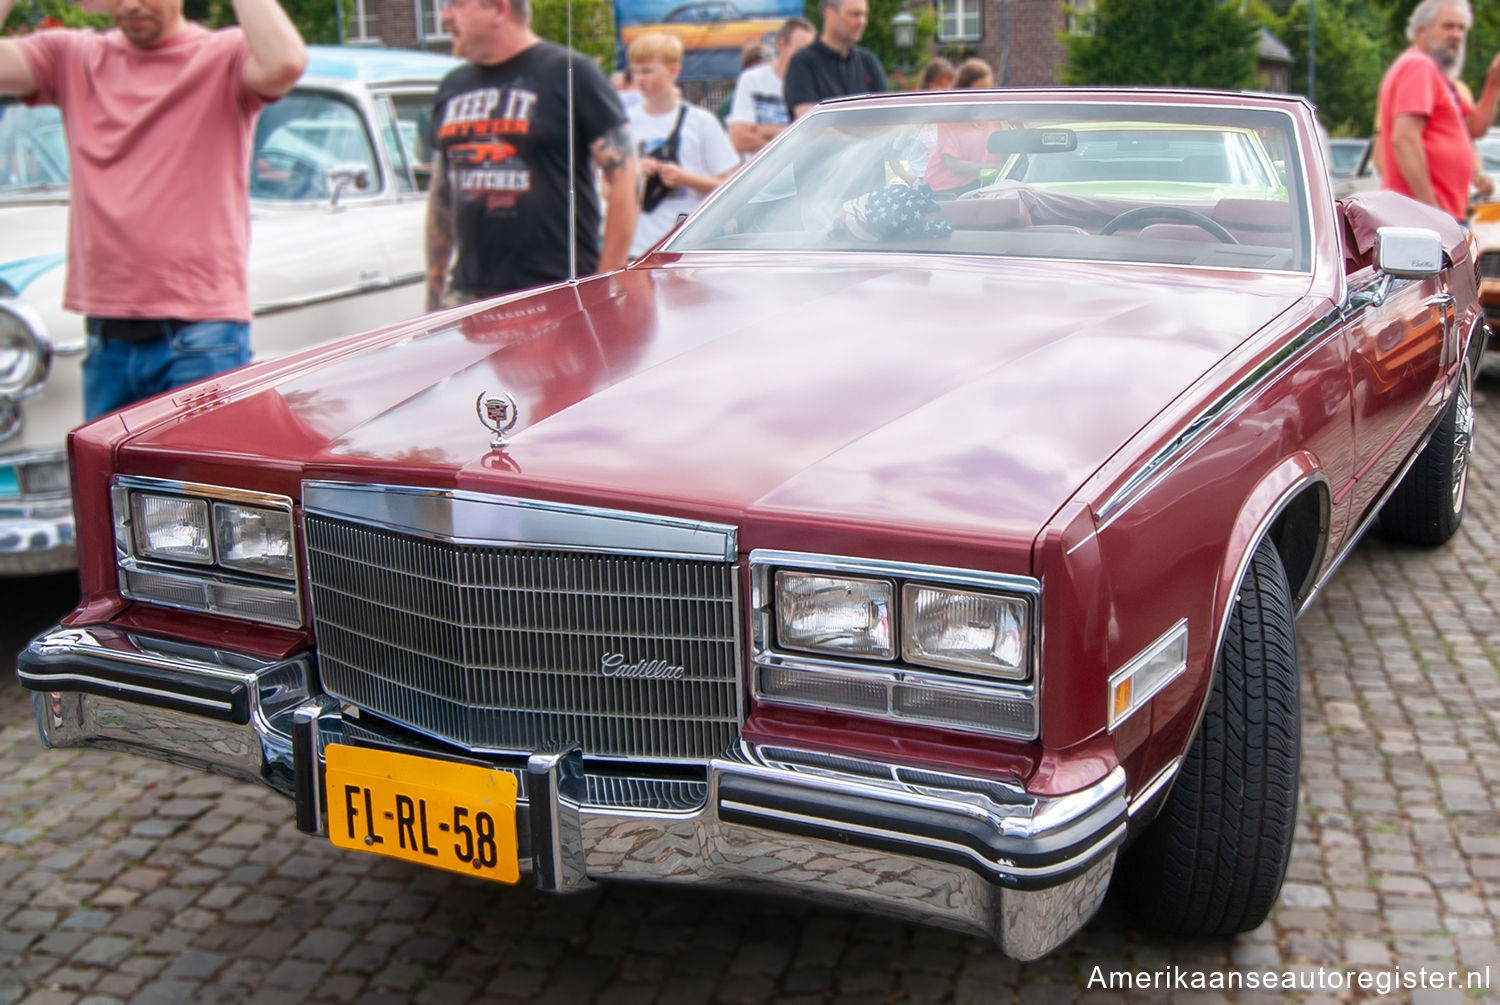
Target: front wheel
(1213, 861)
(1428, 504)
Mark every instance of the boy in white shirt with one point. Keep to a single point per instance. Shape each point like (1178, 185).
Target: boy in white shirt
(684, 152)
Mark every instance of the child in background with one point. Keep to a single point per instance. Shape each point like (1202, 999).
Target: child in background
(684, 151)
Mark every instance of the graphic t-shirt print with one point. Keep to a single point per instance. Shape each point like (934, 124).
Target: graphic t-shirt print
(483, 162)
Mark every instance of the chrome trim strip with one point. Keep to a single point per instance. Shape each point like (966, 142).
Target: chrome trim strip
(43, 680)
(274, 307)
(1165, 458)
(1351, 540)
(463, 517)
(1163, 778)
(1109, 840)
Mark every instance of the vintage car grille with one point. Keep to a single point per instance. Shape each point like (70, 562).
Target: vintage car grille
(499, 648)
(1489, 265)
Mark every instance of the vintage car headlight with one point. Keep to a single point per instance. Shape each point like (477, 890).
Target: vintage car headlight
(956, 652)
(206, 548)
(172, 528)
(835, 615)
(25, 353)
(962, 630)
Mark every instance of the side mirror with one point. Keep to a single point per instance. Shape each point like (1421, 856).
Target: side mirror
(341, 176)
(1408, 252)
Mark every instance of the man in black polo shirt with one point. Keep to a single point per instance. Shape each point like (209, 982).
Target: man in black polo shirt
(833, 65)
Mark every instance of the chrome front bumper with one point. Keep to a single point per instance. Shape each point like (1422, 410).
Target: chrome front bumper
(959, 852)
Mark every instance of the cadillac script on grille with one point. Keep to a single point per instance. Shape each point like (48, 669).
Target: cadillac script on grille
(614, 665)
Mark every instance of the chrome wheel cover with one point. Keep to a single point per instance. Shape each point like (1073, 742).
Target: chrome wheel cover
(1463, 438)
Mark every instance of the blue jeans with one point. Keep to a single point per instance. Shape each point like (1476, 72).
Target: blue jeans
(117, 373)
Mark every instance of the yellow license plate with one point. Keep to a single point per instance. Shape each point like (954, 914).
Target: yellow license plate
(459, 817)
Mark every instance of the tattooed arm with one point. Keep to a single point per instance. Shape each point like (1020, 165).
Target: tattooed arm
(614, 156)
(439, 232)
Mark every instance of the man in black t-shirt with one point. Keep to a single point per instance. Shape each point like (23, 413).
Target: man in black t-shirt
(497, 208)
(833, 65)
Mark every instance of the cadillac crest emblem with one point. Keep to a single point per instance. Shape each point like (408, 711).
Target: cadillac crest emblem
(497, 410)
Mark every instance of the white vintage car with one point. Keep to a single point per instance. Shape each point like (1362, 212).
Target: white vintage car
(337, 210)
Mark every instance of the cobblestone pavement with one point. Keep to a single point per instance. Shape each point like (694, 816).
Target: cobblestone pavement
(125, 879)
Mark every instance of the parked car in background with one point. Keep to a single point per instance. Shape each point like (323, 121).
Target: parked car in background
(932, 558)
(337, 211)
(1358, 176)
(1345, 155)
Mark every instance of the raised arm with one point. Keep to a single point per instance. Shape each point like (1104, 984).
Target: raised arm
(614, 156)
(1482, 115)
(277, 54)
(439, 232)
(15, 72)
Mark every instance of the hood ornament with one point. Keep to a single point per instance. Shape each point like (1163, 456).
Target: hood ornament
(497, 410)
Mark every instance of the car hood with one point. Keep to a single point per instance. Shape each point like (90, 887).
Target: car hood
(33, 242)
(957, 399)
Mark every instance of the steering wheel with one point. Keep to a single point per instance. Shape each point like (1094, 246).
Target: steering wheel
(1142, 215)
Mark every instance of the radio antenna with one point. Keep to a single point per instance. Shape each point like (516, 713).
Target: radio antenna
(572, 162)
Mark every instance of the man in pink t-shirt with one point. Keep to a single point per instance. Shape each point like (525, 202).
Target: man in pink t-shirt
(159, 113)
(1424, 128)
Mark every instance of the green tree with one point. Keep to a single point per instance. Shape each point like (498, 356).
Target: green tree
(1351, 56)
(1169, 43)
(29, 15)
(593, 27)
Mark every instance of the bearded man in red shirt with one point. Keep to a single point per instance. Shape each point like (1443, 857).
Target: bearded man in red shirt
(1425, 123)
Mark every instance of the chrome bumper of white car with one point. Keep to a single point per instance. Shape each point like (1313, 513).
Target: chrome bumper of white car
(36, 514)
(36, 537)
(960, 852)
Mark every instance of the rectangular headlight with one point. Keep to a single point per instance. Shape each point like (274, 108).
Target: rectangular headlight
(961, 630)
(255, 540)
(173, 528)
(837, 615)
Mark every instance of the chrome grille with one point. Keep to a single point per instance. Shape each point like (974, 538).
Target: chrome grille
(498, 648)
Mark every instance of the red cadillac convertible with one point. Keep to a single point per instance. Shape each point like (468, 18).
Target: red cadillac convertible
(935, 553)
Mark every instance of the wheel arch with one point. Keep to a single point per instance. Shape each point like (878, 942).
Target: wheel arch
(1292, 507)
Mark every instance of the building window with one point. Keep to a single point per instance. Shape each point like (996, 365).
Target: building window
(432, 19)
(363, 26)
(959, 20)
(1080, 19)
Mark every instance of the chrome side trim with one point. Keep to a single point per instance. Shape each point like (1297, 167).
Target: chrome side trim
(1163, 778)
(1165, 458)
(52, 681)
(272, 307)
(1351, 540)
(472, 518)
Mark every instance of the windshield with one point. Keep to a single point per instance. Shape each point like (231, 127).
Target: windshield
(33, 152)
(1156, 183)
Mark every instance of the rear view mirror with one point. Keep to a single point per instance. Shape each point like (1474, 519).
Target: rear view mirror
(1408, 252)
(1032, 141)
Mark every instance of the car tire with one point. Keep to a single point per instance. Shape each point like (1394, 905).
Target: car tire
(1212, 862)
(1428, 504)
